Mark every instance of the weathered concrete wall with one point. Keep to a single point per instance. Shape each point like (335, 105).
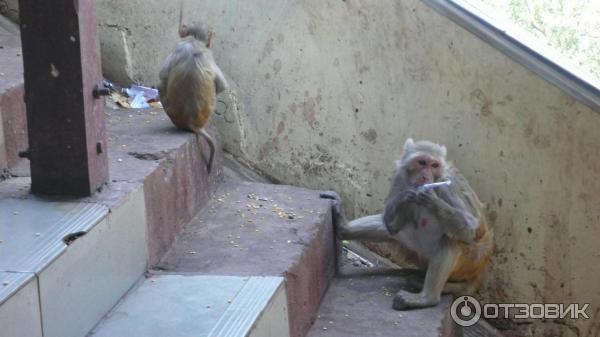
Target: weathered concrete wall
(10, 9)
(13, 124)
(324, 93)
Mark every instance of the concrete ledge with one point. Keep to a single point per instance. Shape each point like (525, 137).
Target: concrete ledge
(34, 230)
(95, 271)
(253, 229)
(158, 180)
(82, 257)
(145, 147)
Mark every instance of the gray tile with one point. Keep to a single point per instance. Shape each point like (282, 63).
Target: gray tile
(185, 306)
(247, 307)
(20, 314)
(95, 271)
(32, 231)
(11, 283)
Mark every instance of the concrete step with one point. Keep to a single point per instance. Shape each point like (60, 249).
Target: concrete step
(145, 147)
(255, 229)
(210, 306)
(65, 262)
(362, 306)
(61, 259)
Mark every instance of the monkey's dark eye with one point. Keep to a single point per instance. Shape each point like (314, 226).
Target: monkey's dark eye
(435, 165)
(422, 162)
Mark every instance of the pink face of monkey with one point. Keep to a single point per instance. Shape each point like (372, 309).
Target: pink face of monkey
(424, 169)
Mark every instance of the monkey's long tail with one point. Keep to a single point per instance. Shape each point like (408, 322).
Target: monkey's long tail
(211, 144)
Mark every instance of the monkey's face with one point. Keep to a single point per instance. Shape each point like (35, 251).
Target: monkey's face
(425, 169)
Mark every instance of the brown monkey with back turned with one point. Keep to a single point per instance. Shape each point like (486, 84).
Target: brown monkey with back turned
(189, 82)
(431, 211)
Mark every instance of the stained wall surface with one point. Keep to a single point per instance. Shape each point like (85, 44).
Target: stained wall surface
(324, 93)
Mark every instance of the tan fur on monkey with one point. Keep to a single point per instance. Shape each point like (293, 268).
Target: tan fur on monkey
(442, 225)
(474, 255)
(189, 82)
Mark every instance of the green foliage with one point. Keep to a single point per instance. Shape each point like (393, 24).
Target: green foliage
(572, 27)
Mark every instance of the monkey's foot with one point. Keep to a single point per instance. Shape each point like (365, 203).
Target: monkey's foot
(405, 300)
(336, 202)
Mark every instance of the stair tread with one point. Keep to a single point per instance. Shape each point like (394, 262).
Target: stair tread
(176, 305)
(249, 229)
(33, 230)
(32, 233)
(362, 306)
(256, 229)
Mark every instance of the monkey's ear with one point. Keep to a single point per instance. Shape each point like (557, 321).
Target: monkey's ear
(443, 149)
(409, 145)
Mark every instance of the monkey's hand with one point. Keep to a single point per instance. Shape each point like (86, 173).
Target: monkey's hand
(396, 206)
(458, 223)
(435, 199)
(336, 201)
(428, 199)
(453, 214)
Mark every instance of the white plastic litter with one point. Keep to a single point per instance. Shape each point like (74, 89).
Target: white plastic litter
(135, 90)
(139, 102)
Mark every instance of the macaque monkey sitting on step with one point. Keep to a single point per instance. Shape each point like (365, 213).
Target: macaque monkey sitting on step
(432, 212)
(189, 82)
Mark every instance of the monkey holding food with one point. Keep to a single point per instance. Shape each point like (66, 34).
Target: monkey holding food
(431, 211)
(189, 82)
